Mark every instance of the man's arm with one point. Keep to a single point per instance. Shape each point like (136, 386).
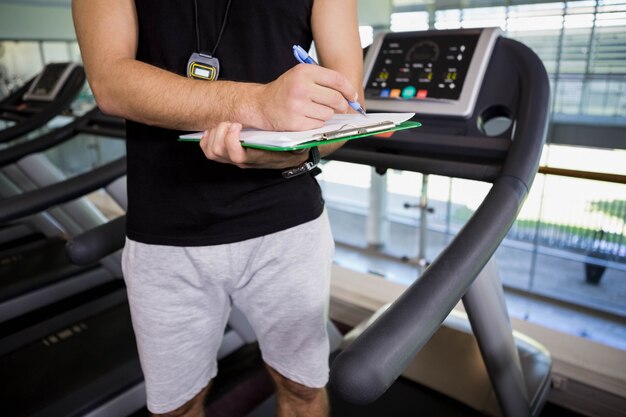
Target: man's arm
(336, 34)
(302, 98)
(124, 87)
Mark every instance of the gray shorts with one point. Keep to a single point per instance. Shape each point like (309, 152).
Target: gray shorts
(180, 299)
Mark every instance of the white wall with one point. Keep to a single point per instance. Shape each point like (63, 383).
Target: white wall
(21, 26)
(35, 22)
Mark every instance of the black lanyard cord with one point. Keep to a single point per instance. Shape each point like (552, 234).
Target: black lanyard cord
(219, 37)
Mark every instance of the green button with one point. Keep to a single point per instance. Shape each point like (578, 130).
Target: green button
(409, 92)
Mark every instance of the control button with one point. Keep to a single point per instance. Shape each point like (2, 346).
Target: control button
(384, 92)
(408, 92)
(395, 93)
(421, 94)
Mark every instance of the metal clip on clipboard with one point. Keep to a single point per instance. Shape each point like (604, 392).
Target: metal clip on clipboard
(353, 131)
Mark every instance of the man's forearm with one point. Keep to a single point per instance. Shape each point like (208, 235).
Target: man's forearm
(141, 92)
(330, 148)
(107, 32)
(336, 34)
(302, 98)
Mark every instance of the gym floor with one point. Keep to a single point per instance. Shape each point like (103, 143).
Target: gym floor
(243, 385)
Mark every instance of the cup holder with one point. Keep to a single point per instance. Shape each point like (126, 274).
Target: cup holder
(495, 120)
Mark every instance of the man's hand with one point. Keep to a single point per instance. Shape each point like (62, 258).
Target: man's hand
(304, 98)
(222, 144)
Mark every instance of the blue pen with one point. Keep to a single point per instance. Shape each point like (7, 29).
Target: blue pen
(303, 57)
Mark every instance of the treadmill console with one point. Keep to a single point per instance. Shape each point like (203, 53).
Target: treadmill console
(49, 82)
(432, 72)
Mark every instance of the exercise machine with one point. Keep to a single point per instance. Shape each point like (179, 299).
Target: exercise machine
(41, 99)
(483, 101)
(34, 264)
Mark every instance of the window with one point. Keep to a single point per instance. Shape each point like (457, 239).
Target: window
(582, 43)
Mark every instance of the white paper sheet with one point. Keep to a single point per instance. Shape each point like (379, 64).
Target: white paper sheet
(287, 139)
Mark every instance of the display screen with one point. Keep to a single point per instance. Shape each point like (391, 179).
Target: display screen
(414, 67)
(49, 82)
(51, 76)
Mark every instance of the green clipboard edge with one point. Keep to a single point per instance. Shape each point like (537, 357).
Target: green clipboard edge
(305, 145)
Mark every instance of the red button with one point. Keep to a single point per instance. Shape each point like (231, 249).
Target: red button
(422, 93)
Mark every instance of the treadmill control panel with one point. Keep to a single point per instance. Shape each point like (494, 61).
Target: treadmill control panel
(428, 68)
(49, 82)
(438, 70)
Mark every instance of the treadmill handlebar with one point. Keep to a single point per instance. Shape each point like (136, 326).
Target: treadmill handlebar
(95, 244)
(40, 199)
(368, 367)
(522, 161)
(479, 172)
(52, 138)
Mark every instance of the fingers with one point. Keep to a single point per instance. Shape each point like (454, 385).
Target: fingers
(318, 113)
(237, 154)
(338, 89)
(304, 97)
(222, 144)
(330, 100)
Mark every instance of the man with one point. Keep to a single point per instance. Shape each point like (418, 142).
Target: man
(220, 224)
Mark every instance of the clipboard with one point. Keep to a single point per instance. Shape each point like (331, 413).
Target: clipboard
(338, 136)
(340, 128)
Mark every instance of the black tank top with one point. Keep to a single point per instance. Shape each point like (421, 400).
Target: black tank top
(175, 195)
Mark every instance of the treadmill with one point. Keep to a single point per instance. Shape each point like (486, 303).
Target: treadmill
(46, 302)
(34, 267)
(463, 86)
(41, 99)
(35, 108)
(483, 101)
